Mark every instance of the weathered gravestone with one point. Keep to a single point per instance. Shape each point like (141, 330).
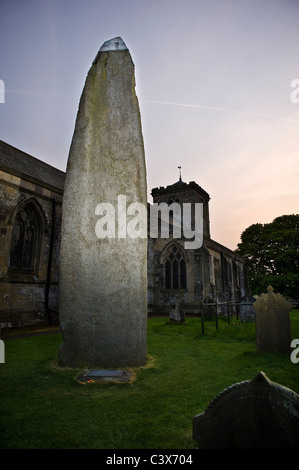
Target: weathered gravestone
(273, 326)
(247, 312)
(103, 264)
(177, 315)
(254, 414)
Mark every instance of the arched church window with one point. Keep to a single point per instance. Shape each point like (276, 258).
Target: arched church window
(175, 269)
(24, 239)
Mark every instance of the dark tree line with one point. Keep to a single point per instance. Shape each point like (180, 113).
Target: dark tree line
(271, 255)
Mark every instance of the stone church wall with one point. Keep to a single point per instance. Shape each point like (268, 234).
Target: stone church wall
(28, 286)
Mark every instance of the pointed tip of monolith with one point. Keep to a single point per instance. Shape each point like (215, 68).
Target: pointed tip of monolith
(115, 44)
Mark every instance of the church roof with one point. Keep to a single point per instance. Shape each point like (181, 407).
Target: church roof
(180, 186)
(18, 163)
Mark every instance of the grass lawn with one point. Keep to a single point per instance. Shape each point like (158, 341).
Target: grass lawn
(44, 407)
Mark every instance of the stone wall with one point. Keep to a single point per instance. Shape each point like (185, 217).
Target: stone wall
(214, 274)
(29, 290)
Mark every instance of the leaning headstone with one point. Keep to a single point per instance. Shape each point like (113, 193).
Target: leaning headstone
(254, 414)
(103, 265)
(273, 326)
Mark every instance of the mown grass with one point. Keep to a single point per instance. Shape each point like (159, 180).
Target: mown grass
(44, 406)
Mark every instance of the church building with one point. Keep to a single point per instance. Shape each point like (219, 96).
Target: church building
(211, 273)
(30, 220)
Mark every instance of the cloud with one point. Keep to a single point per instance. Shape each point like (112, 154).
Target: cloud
(216, 108)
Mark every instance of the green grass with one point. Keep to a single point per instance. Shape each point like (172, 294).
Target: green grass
(43, 406)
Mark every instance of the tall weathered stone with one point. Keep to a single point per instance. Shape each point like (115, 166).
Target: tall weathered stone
(103, 284)
(273, 325)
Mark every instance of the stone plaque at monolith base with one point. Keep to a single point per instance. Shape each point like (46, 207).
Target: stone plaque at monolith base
(103, 265)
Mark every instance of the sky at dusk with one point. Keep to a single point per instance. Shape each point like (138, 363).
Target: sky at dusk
(213, 80)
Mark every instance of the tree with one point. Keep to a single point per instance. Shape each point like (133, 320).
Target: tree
(271, 255)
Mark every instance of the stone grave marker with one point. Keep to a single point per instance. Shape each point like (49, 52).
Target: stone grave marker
(273, 326)
(254, 414)
(177, 314)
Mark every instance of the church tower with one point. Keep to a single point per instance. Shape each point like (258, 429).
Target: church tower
(210, 273)
(176, 273)
(185, 193)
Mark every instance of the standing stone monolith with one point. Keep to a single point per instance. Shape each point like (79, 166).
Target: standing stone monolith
(103, 264)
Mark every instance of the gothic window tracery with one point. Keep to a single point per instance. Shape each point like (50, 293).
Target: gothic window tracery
(24, 239)
(175, 269)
